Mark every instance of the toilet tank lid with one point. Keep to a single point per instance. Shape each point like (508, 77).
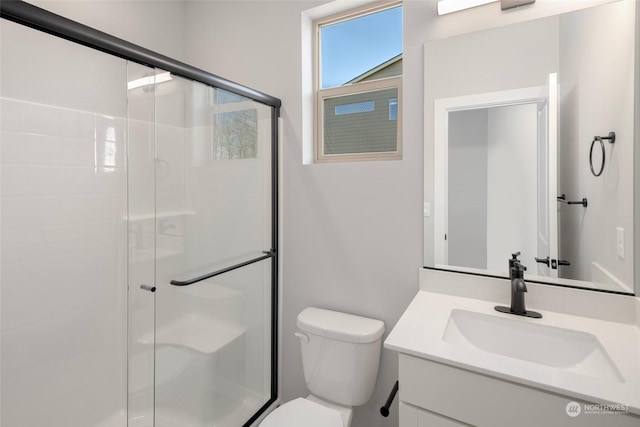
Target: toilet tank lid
(340, 326)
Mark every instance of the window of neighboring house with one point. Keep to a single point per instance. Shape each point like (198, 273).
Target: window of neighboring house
(358, 84)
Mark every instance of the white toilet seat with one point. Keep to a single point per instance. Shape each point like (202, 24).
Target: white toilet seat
(302, 412)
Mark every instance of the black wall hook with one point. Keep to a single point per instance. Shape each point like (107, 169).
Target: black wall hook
(583, 202)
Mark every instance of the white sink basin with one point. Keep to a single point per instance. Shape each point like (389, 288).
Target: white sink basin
(564, 349)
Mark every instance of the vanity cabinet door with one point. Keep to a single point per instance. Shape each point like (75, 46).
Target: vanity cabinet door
(410, 416)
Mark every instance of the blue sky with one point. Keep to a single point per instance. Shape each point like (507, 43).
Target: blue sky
(353, 47)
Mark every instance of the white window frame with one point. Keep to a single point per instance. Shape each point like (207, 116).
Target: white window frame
(367, 86)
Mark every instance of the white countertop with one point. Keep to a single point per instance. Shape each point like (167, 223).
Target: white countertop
(419, 332)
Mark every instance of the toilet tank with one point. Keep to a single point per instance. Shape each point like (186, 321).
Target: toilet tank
(340, 355)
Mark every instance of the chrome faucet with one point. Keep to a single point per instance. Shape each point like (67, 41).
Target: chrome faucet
(518, 288)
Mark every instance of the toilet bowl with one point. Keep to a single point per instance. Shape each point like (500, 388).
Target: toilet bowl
(340, 357)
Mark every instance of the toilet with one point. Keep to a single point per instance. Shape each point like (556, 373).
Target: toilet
(340, 357)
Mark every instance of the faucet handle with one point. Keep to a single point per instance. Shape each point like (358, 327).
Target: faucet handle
(515, 262)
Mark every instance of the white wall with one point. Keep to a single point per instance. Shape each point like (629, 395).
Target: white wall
(351, 231)
(587, 110)
(512, 207)
(155, 25)
(636, 188)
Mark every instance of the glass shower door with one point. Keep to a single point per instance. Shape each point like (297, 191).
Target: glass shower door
(137, 289)
(212, 169)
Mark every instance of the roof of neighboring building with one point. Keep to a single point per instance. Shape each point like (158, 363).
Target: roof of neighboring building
(387, 64)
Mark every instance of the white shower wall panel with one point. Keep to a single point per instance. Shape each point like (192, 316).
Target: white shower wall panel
(170, 173)
(591, 234)
(44, 69)
(63, 269)
(63, 241)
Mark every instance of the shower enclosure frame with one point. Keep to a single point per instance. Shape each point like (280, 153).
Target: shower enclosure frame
(39, 19)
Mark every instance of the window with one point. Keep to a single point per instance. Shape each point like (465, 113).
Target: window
(358, 85)
(235, 127)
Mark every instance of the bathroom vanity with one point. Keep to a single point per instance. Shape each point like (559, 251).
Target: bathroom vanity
(463, 363)
(509, 166)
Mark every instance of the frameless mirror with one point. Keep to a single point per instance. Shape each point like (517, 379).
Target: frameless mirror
(522, 121)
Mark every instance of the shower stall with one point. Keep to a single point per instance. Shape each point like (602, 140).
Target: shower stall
(138, 234)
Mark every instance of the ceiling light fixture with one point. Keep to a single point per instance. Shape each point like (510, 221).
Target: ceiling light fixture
(449, 6)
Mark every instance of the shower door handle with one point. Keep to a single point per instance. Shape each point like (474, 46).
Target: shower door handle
(267, 254)
(148, 288)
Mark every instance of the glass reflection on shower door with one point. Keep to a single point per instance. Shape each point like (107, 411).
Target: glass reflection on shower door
(141, 191)
(213, 210)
